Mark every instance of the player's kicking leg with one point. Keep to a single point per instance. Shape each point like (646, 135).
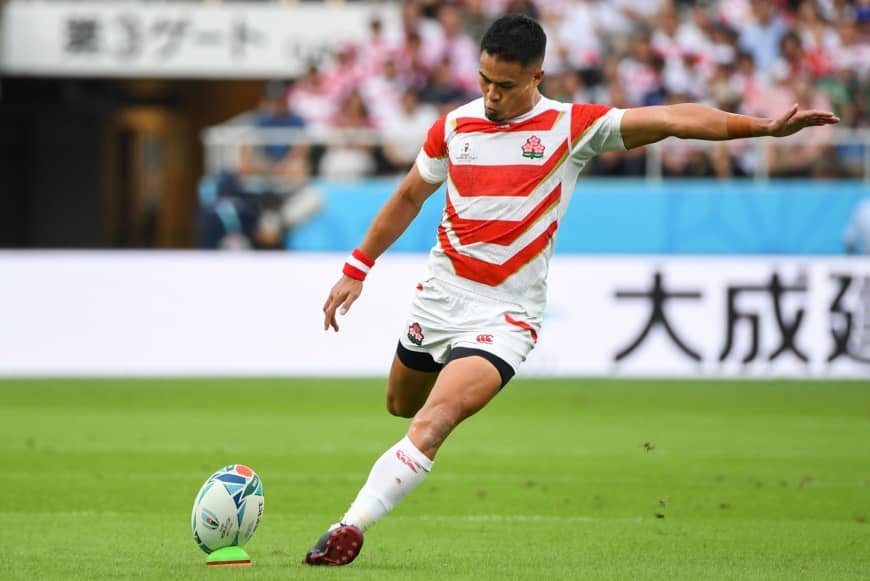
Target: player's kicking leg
(411, 379)
(462, 388)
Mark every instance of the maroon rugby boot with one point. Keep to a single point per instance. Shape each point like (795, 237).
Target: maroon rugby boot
(338, 546)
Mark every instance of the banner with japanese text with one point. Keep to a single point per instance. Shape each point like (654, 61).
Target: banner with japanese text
(707, 316)
(249, 314)
(179, 39)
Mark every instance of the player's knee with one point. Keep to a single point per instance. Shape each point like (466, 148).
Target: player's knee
(433, 425)
(400, 407)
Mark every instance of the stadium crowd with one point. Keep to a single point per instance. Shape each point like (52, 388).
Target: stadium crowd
(756, 57)
(750, 56)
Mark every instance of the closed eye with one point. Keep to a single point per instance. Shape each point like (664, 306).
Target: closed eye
(501, 85)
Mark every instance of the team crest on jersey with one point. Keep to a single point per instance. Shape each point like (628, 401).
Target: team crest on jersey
(415, 334)
(533, 148)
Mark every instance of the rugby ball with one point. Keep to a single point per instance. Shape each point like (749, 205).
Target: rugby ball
(228, 508)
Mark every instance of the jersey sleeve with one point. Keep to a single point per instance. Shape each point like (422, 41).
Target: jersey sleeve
(432, 159)
(595, 129)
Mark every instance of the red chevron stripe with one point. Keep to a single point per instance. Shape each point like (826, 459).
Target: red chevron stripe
(522, 325)
(486, 272)
(501, 232)
(542, 122)
(435, 146)
(583, 116)
(504, 180)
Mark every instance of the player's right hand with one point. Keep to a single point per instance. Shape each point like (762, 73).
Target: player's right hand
(342, 296)
(796, 119)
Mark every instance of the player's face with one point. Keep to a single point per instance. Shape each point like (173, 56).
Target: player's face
(509, 89)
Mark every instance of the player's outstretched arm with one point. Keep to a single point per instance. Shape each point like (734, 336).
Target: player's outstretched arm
(645, 125)
(389, 223)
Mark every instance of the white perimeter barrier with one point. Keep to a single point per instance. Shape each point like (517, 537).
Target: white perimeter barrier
(259, 314)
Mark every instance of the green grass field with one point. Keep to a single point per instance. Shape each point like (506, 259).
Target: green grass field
(580, 479)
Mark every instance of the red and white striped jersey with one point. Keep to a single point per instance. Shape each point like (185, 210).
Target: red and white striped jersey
(508, 185)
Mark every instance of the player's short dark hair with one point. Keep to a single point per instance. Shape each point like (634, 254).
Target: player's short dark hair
(515, 37)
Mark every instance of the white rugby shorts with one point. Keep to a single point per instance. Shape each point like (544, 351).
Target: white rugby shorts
(444, 316)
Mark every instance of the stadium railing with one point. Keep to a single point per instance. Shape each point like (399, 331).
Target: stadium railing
(223, 144)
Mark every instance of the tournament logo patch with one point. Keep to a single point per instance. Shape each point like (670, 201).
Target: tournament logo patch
(466, 153)
(209, 519)
(533, 149)
(415, 334)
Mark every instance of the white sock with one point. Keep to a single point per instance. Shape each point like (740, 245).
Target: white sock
(396, 473)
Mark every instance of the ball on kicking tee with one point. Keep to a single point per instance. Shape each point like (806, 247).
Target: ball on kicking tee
(227, 508)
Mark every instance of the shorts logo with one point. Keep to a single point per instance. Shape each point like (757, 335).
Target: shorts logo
(403, 458)
(533, 148)
(415, 334)
(485, 338)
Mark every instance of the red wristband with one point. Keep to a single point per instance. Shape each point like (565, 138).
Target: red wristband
(358, 265)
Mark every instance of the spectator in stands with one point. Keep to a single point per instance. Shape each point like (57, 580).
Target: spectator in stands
(749, 83)
(350, 158)
(853, 51)
(639, 73)
(693, 35)
(793, 60)
(818, 38)
(724, 48)
(569, 85)
(760, 37)
(862, 19)
(404, 132)
(283, 197)
(227, 219)
(440, 90)
(313, 100)
(382, 93)
(804, 155)
(576, 37)
(375, 49)
(270, 194)
(677, 75)
(459, 48)
(345, 73)
(410, 64)
(475, 20)
(427, 30)
(621, 20)
(737, 54)
(285, 161)
(850, 98)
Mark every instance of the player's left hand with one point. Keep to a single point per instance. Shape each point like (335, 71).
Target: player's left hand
(795, 119)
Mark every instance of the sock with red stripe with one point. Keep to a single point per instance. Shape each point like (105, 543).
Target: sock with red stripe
(395, 474)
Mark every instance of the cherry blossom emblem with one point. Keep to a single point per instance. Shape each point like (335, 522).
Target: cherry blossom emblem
(533, 148)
